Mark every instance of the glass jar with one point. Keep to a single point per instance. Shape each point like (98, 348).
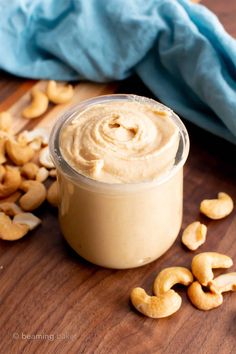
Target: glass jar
(120, 225)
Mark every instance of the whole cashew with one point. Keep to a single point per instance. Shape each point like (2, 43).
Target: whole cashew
(53, 194)
(28, 219)
(160, 306)
(168, 277)
(223, 283)
(30, 170)
(59, 93)
(38, 105)
(10, 231)
(10, 209)
(5, 121)
(18, 153)
(11, 181)
(203, 263)
(194, 235)
(34, 196)
(217, 208)
(45, 158)
(203, 300)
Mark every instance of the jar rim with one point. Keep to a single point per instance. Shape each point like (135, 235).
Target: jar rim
(75, 176)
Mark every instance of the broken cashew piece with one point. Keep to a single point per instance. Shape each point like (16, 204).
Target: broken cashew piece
(18, 153)
(34, 196)
(160, 306)
(59, 93)
(53, 173)
(194, 235)
(10, 231)
(29, 136)
(28, 219)
(38, 105)
(10, 209)
(36, 144)
(5, 121)
(203, 300)
(30, 170)
(42, 174)
(53, 194)
(168, 277)
(223, 283)
(10, 181)
(217, 208)
(45, 158)
(203, 263)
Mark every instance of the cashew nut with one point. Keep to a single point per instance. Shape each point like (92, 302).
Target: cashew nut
(27, 219)
(42, 174)
(34, 196)
(59, 93)
(10, 209)
(223, 283)
(11, 198)
(160, 306)
(203, 263)
(217, 208)
(5, 121)
(10, 231)
(18, 153)
(203, 300)
(38, 105)
(28, 136)
(11, 181)
(30, 170)
(36, 144)
(168, 277)
(53, 194)
(45, 158)
(194, 235)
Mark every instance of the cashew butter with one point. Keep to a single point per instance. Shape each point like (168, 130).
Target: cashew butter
(120, 170)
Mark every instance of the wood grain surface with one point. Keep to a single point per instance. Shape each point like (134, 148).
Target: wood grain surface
(52, 301)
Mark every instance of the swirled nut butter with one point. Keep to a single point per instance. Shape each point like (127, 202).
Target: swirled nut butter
(120, 162)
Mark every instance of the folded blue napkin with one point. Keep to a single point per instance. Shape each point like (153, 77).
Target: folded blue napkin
(178, 49)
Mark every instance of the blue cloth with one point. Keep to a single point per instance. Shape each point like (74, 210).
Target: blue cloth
(178, 49)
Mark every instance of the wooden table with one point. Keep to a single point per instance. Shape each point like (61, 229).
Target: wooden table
(52, 301)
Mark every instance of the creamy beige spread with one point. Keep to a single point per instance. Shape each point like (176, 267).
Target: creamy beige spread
(121, 142)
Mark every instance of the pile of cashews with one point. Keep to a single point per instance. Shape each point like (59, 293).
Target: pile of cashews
(25, 165)
(166, 301)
